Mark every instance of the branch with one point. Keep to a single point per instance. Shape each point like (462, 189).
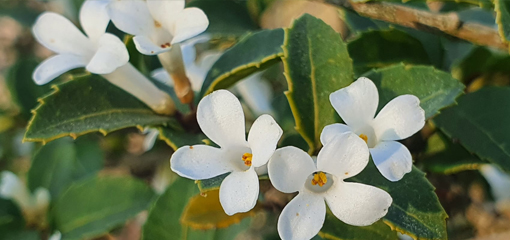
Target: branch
(448, 23)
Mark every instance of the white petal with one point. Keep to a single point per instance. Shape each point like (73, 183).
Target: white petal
(56, 65)
(333, 130)
(263, 137)
(11, 187)
(357, 103)
(392, 159)
(131, 16)
(344, 156)
(165, 12)
(42, 199)
(188, 50)
(110, 55)
(221, 118)
(56, 236)
(162, 76)
(150, 139)
(94, 18)
(498, 180)
(199, 162)
(400, 118)
(189, 23)
(146, 46)
(58, 34)
(357, 204)
(303, 217)
(256, 93)
(239, 192)
(289, 168)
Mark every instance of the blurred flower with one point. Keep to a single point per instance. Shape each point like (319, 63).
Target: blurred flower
(157, 24)
(56, 236)
(499, 182)
(221, 118)
(100, 53)
(399, 119)
(150, 138)
(344, 156)
(34, 206)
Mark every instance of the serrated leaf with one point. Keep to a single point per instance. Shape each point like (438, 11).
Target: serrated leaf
(164, 221)
(87, 104)
(95, 206)
(435, 89)
(252, 53)
(205, 212)
(59, 163)
(416, 210)
(335, 229)
(227, 18)
(480, 123)
(375, 49)
(316, 63)
(502, 8)
(446, 157)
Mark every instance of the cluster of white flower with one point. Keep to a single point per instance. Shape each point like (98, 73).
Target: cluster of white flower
(345, 154)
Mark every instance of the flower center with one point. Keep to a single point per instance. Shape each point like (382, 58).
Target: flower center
(364, 137)
(247, 159)
(319, 178)
(166, 45)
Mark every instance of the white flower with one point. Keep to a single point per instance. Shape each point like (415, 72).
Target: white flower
(34, 206)
(293, 170)
(150, 138)
(157, 24)
(399, 119)
(221, 118)
(100, 53)
(499, 182)
(254, 90)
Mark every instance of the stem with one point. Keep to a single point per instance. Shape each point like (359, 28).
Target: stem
(133, 82)
(448, 23)
(173, 64)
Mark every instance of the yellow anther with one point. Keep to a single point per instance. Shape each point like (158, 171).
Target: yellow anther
(247, 159)
(319, 178)
(364, 137)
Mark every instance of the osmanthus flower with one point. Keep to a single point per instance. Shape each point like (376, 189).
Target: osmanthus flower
(99, 52)
(293, 170)
(399, 119)
(221, 118)
(34, 206)
(157, 24)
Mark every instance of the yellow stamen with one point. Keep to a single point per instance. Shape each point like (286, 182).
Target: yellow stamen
(247, 159)
(364, 137)
(319, 178)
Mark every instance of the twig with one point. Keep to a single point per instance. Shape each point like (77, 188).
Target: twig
(448, 23)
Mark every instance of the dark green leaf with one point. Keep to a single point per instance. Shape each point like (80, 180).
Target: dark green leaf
(480, 123)
(252, 53)
(95, 206)
(87, 104)
(335, 229)
(502, 8)
(316, 63)
(59, 163)
(175, 136)
(11, 219)
(446, 157)
(435, 89)
(415, 210)
(211, 183)
(375, 49)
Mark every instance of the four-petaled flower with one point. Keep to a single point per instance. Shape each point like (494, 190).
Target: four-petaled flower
(157, 24)
(293, 170)
(399, 119)
(221, 118)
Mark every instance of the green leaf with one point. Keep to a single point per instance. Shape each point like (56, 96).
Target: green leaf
(59, 163)
(316, 63)
(87, 104)
(416, 210)
(335, 229)
(480, 123)
(435, 89)
(446, 157)
(254, 52)
(375, 49)
(502, 8)
(227, 18)
(175, 136)
(211, 183)
(95, 206)
(11, 219)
